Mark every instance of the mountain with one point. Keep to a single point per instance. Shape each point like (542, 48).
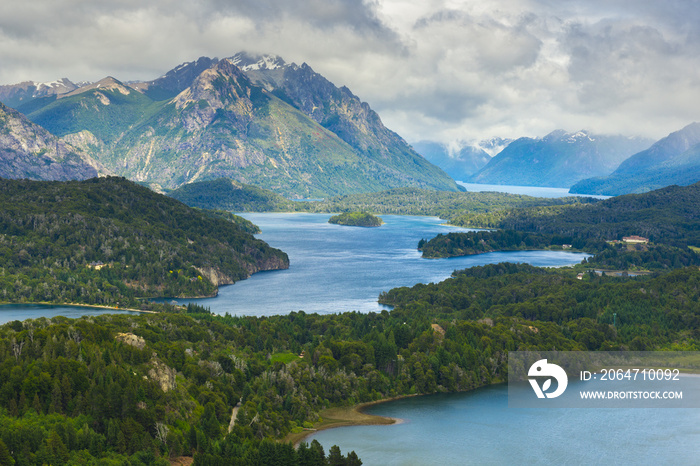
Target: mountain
(256, 120)
(674, 159)
(100, 112)
(460, 165)
(176, 80)
(15, 95)
(558, 160)
(29, 151)
(344, 114)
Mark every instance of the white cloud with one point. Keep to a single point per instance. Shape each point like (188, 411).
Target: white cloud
(437, 69)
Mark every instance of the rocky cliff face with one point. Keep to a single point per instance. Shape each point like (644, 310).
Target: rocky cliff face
(164, 375)
(261, 264)
(29, 151)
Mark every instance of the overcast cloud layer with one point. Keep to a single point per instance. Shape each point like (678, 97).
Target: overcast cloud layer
(433, 69)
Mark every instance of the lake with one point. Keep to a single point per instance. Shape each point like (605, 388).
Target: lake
(478, 428)
(336, 268)
(536, 191)
(10, 312)
(333, 268)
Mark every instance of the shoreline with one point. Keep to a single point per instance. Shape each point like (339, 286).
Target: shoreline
(345, 417)
(96, 306)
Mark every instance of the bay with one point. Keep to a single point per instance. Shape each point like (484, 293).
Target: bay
(11, 312)
(478, 428)
(335, 268)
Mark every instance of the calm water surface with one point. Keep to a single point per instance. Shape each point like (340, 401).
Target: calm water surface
(478, 428)
(536, 191)
(333, 268)
(336, 268)
(10, 312)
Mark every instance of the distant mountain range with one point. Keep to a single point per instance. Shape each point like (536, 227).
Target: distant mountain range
(674, 159)
(16, 95)
(557, 160)
(29, 151)
(463, 162)
(257, 120)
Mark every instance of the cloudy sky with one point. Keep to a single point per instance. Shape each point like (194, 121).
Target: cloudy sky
(433, 69)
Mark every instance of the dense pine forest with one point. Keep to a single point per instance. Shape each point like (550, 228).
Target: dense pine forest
(109, 241)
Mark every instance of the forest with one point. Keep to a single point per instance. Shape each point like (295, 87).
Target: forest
(356, 219)
(668, 217)
(139, 389)
(109, 241)
(144, 389)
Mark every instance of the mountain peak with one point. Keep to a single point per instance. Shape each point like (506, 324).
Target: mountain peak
(105, 84)
(571, 138)
(176, 80)
(248, 62)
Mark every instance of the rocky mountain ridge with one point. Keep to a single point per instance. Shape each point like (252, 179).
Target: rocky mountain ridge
(280, 126)
(29, 151)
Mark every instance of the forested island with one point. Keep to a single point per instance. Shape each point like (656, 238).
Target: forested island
(356, 219)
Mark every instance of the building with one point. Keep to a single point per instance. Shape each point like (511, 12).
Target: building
(635, 239)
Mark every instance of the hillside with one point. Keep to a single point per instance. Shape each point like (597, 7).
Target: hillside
(559, 159)
(674, 159)
(668, 220)
(302, 137)
(142, 389)
(107, 240)
(225, 194)
(341, 112)
(29, 151)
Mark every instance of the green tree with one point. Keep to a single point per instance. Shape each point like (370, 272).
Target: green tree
(5, 457)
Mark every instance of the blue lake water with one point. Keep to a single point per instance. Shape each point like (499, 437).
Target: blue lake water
(333, 268)
(478, 428)
(536, 191)
(10, 312)
(336, 268)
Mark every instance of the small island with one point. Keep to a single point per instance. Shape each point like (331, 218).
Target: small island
(356, 219)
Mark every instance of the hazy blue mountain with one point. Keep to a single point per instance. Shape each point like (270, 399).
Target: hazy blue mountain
(674, 159)
(558, 160)
(460, 164)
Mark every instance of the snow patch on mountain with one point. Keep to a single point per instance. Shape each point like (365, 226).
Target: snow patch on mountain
(247, 62)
